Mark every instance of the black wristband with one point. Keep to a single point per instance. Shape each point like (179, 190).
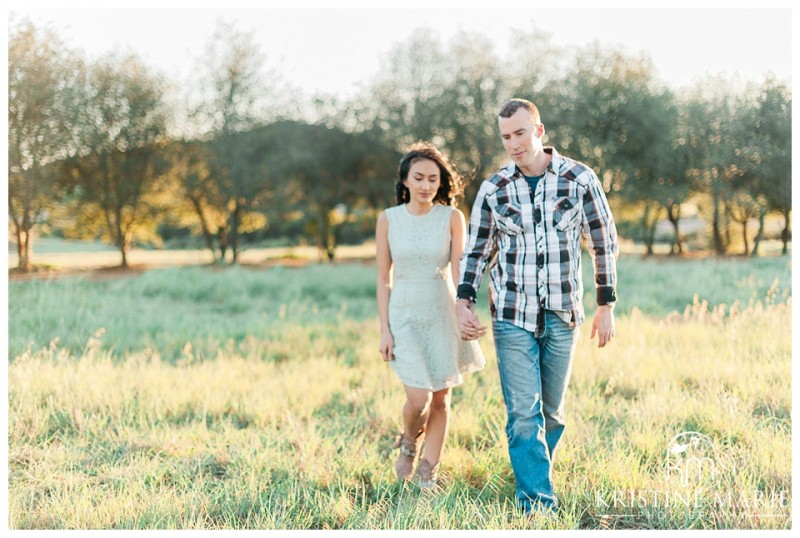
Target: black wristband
(465, 291)
(606, 294)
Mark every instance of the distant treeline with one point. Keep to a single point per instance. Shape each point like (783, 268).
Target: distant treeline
(110, 149)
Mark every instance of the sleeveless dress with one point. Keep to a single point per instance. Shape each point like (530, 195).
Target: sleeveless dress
(429, 352)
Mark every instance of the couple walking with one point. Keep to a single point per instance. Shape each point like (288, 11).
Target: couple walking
(526, 222)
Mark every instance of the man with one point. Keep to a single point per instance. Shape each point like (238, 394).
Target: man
(531, 216)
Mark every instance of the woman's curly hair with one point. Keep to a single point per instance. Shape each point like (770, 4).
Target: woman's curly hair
(451, 186)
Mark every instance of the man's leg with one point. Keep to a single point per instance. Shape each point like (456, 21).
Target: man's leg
(557, 352)
(518, 363)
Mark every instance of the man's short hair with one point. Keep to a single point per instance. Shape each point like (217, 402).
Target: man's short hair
(511, 107)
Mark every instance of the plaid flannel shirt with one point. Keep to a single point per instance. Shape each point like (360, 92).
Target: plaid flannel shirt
(536, 237)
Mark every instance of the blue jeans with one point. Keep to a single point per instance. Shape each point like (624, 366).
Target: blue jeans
(534, 373)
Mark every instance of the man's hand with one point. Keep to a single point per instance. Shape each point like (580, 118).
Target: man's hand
(468, 323)
(603, 325)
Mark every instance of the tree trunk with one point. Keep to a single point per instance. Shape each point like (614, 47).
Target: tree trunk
(744, 236)
(648, 224)
(121, 246)
(127, 239)
(760, 234)
(645, 231)
(18, 233)
(20, 251)
(323, 234)
(235, 221)
(223, 242)
(23, 247)
(24, 242)
(25, 259)
(198, 208)
(24, 251)
(336, 236)
(119, 233)
(651, 236)
(333, 240)
(785, 233)
(648, 243)
(719, 245)
(726, 237)
(674, 216)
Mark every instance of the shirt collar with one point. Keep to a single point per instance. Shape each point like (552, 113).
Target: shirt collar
(510, 170)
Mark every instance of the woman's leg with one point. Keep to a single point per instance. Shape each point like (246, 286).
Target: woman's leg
(435, 435)
(415, 415)
(416, 409)
(438, 423)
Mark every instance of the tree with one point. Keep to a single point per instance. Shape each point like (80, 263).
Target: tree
(676, 184)
(122, 161)
(745, 201)
(237, 96)
(760, 172)
(620, 121)
(406, 95)
(475, 91)
(43, 82)
(327, 173)
(768, 154)
(447, 95)
(711, 137)
(199, 200)
(529, 77)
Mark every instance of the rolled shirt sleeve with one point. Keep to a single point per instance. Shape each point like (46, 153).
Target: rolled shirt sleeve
(601, 236)
(481, 246)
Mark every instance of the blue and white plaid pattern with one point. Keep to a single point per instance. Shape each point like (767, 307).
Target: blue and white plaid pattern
(536, 237)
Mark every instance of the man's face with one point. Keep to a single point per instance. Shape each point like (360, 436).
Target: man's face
(522, 139)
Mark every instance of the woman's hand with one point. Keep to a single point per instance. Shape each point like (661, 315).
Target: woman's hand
(468, 323)
(387, 346)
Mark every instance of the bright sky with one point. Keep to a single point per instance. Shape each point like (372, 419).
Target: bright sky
(337, 50)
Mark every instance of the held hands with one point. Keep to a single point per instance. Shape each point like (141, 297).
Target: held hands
(603, 325)
(387, 346)
(468, 323)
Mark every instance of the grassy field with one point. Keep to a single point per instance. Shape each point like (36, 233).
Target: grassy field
(59, 255)
(239, 398)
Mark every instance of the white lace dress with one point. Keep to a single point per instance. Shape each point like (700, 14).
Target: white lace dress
(429, 352)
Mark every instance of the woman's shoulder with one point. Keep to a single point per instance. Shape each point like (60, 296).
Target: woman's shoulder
(455, 217)
(390, 212)
(452, 211)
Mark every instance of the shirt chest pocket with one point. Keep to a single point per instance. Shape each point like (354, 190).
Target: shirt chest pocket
(566, 213)
(508, 219)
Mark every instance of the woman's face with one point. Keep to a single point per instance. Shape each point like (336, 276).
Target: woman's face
(423, 181)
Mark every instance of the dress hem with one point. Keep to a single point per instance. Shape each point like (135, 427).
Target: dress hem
(477, 368)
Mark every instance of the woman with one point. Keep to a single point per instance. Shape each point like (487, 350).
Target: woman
(419, 244)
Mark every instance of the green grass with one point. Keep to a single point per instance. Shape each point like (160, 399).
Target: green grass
(49, 245)
(659, 286)
(243, 399)
(166, 309)
(236, 308)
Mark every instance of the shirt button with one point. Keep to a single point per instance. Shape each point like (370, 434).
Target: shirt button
(540, 260)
